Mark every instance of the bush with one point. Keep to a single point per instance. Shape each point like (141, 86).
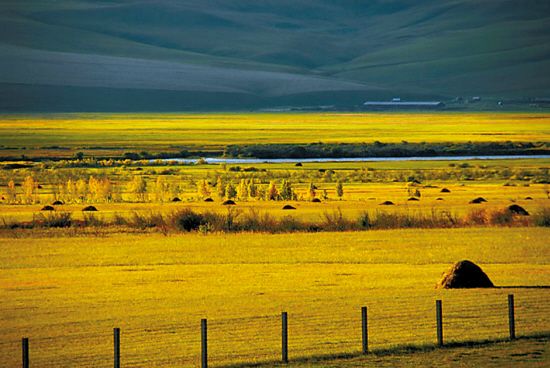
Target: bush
(188, 220)
(542, 217)
(501, 217)
(476, 217)
(144, 221)
(53, 219)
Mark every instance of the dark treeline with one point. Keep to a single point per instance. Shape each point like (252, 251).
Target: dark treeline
(379, 149)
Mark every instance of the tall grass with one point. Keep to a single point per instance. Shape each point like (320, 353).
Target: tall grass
(253, 220)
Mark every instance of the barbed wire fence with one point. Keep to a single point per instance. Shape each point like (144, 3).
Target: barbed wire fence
(248, 340)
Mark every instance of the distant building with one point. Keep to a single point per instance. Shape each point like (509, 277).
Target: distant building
(397, 103)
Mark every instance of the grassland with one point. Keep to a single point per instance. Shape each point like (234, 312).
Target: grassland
(70, 292)
(100, 135)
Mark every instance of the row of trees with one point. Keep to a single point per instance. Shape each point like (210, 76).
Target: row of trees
(101, 190)
(251, 189)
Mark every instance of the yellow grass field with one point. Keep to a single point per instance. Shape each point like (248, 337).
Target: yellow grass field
(104, 134)
(67, 293)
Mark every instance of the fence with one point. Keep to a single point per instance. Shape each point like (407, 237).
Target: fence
(289, 336)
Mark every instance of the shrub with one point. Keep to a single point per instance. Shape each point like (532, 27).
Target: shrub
(53, 219)
(501, 217)
(144, 221)
(188, 220)
(476, 217)
(335, 221)
(542, 217)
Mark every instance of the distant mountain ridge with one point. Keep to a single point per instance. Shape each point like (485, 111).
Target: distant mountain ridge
(239, 54)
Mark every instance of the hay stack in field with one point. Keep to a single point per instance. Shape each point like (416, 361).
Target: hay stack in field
(316, 200)
(478, 200)
(413, 199)
(288, 207)
(209, 200)
(89, 208)
(518, 210)
(176, 199)
(387, 203)
(57, 203)
(229, 202)
(528, 198)
(465, 274)
(47, 208)
(439, 199)
(298, 164)
(445, 190)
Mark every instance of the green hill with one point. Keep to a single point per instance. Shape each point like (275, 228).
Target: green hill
(238, 54)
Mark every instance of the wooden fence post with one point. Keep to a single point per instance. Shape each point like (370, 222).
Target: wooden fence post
(365, 330)
(116, 338)
(511, 317)
(439, 318)
(284, 334)
(204, 344)
(25, 351)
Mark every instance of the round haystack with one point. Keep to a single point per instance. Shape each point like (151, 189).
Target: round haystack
(387, 203)
(478, 200)
(298, 164)
(209, 200)
(439, 199)
(229, 202)
(288, 207)
(518, 210)
(413, 199)
(57, 203)
(89, 208)
(316, 200)
(176, 199)
(445, 190)
(47, 208)
(465, 274)
(528, 198)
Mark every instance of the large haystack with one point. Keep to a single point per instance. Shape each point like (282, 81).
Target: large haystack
(465, 274)
(518, 210)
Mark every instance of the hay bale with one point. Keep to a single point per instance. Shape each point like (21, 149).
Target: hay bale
(288, 207)
(439, 199)
(176, 199)
(229, 202)
(528, 198)
(47, 208)
(316, 200)
(387, 203)
(518, 210)
(89, 208)
(465, 274)
(478, 200)
(413, 199)
(57, 203)
(298, 164)
(209, 200)
(445, 190)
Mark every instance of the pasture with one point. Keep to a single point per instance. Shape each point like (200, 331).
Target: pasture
(100, 135)
(67, 293)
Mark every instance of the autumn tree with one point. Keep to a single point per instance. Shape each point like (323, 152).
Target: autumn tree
(30, 188)
(311, 193)
(12, 192)
(220, 188)
(272, 192)
(242, 190)
(339, 189)
(138, 188)
(203, 189)
(287, 193)
(230, 191)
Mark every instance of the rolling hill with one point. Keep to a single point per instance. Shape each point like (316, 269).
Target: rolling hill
(168, 55)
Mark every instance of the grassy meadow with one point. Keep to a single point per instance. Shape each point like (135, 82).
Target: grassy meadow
(66, 285)
(67, 293)
(62, 135)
